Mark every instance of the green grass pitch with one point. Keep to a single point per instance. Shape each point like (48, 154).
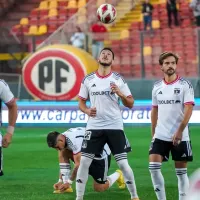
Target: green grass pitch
(31, 168)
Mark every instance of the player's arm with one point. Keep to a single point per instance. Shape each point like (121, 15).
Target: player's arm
(9, 100)
(154, 118)
(77, 158)
(154, 111)
(91, 112)
(188, 108)
(83, 96)
(64, 171)
(124, 93)
(127, 101)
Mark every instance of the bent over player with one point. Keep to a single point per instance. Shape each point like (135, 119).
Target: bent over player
(69, 145)
(173, 101)
(8, 98)
(105, 89)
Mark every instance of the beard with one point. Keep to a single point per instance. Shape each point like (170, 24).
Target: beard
(105, 64)
(170, 72)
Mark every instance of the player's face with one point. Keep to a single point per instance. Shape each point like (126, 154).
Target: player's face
(60, 145)
(169, 66)
(106, 58)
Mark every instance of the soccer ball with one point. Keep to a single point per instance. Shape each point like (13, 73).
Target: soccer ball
(106, 13)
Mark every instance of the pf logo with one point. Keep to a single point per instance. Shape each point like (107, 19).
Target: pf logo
(54, 73)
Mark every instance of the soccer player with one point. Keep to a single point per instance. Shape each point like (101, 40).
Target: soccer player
(173, 101)
(104, 89)
(69, 145)
(8, 98)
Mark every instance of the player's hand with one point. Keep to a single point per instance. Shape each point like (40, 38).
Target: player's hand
(57, 185)
(116, 90)
(91, 112)
(177, 138)
(64, 186)
(7, 139)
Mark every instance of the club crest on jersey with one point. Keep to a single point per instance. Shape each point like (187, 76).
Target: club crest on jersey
(177, 91)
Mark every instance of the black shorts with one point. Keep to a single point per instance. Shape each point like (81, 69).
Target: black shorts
(94, 141)
(182, 152)
(99, 169)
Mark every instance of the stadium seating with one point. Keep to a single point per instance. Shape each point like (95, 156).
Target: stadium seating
(47, 14)
(181, 40)
(124, 36)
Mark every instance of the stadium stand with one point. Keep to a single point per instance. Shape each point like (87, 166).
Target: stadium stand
(45, 18)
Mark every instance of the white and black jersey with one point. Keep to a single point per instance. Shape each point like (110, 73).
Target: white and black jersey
(6, 96)
(74, 140)
(98, 89)
(170, 99)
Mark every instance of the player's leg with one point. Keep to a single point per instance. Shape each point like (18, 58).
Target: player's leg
(118, 144)
(1, 156)
(99, 171)
(100, 187)
(182, 154)
(93, 143)
(158, 152)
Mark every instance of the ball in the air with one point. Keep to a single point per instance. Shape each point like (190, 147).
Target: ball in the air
(106, 13)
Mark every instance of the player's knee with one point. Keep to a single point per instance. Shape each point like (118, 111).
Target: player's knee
(155, 169)
(123, 164)
(85, 162)
(97, 188)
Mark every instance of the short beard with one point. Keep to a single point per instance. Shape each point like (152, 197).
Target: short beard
(170, 74)
(105, 64)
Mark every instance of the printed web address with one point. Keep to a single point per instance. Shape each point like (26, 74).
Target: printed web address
(72, 116)
(76, 116)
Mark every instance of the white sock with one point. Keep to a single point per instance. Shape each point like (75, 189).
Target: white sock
(157, 180)
(82, 174)
(112, 178)
(127, 173)
(183, 182)
(65, 170)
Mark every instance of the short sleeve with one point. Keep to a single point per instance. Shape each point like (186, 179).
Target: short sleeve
(188, 94)
(5, 94)
(154, 98)
(124, 88)
(83, 93)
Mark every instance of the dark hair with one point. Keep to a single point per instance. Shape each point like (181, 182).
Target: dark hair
(165, 55)
(109, 49)
(52, 138)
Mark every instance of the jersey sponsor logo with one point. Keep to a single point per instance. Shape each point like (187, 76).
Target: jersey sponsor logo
(169, 101)
(177, 91)
(101, 93)
(160, 92)
(93, 85)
